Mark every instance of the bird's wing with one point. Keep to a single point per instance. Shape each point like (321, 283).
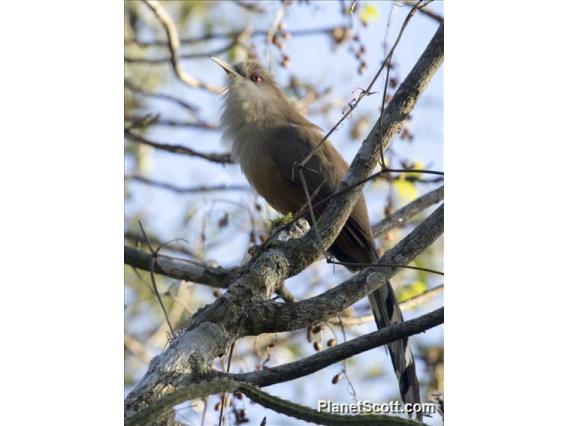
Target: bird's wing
(323, 173)
(354, 243)
(290, 145)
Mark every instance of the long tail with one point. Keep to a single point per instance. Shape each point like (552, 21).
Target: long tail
(387, 312)
(355, 244)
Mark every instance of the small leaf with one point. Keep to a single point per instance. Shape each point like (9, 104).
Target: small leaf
(282, 220)
(412, 290)
(406, 190)
(368, 14)
(417, 165)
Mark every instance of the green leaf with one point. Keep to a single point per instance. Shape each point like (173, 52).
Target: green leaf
(282, 220)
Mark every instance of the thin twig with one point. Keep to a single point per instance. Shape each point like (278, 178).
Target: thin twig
(422, 297)
(232, 34)
(320, 360)
(300, 214)
(352, 105)
(385, 265)
(222, 158)
(155, 120)
(130, 85)
(188, 189)
(424, 10)
(155, 287)
(223, 394)
(181, 56)
(388, 59)
(403, 215)
(366, 92)
(173, 45)
(404, 306)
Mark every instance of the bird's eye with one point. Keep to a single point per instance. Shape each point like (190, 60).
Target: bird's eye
(256, 77)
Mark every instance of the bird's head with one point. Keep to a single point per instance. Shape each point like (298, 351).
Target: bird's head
(252, 95)
(254, 106)
(248, 76)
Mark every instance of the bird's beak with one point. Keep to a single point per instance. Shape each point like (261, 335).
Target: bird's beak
(229, 69)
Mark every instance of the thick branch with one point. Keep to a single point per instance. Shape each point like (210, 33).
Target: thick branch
(305, 251)
(268, 317)
(190, 353)
(321, 417)
(179, 268)
(221, 382)
(318, 361)
(209, 387)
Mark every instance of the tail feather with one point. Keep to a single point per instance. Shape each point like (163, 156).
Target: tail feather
(355, 244)
(387, 312)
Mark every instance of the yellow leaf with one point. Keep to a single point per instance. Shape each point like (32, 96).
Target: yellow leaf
(406, 190)
(368, 14)
(411, 290)
(417, 165)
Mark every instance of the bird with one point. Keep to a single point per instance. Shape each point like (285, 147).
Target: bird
(268, 138)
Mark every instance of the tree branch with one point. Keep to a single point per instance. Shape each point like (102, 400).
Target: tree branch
(185, 56)
(187, 189)
(270, 317)
(224, 382)
(179, 149)
(427, 12)
(232, 34)
(403, 215)
(130, 85)
(180, 269)
(155, 242)
(155, 120)
(173, 45)
(320, 360)
(206, 388)
(306, 250)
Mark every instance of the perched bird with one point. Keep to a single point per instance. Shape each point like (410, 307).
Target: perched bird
(269, 137)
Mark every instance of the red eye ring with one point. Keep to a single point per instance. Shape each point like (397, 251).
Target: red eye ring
(255, 77)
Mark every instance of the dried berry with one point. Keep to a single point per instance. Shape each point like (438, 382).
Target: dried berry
(336, 378)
